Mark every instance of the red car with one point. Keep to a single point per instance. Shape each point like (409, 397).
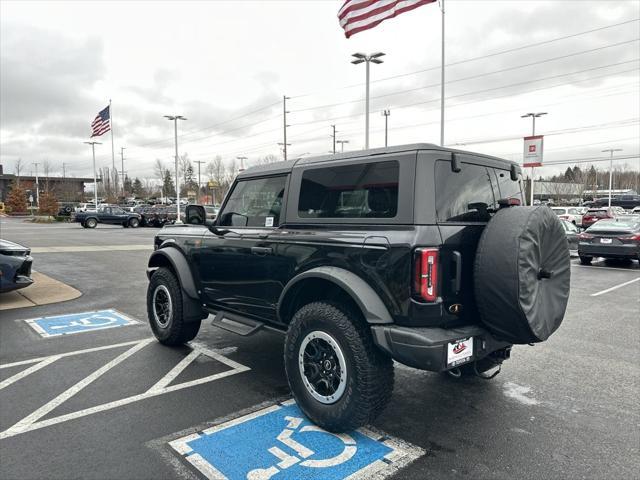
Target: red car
(595, 214)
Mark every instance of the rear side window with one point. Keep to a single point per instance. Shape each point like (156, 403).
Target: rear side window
(254, 203)
(465, 196)
(366, 190)
(507, 188)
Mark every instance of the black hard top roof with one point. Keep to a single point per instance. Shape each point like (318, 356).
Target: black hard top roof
(285, 167)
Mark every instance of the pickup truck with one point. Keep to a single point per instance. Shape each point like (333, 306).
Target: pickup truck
(110, 215)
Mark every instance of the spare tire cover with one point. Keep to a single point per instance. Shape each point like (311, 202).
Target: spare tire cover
(522, 274)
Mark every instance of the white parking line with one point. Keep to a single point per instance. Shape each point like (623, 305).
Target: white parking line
(91, 248)
(28, 371)
(30, 422)
(615, 287)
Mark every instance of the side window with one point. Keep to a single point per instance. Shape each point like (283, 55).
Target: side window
(465, 196)
(365, 190)
(255, 203)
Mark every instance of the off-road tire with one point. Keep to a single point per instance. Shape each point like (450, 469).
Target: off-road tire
(176, 331)
(585, 260)
(369, 382)
(83, 225)
(134, 223)
(91, 223)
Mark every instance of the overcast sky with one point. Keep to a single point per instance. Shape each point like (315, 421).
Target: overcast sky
(225, 65)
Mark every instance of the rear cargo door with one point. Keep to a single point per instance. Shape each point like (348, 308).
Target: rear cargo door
(465, 201)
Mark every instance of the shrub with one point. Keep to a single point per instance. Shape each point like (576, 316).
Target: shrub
(16, 203)
(48, 204)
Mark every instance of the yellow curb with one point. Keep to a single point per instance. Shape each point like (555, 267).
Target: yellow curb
(45, 290)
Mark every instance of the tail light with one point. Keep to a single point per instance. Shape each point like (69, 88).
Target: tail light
(585, 236)
(425, 270)
(633, 238)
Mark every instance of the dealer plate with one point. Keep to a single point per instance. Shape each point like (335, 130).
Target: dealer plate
(605, 240)
(459, 352)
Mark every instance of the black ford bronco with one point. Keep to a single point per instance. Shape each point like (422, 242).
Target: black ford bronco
(416, 253)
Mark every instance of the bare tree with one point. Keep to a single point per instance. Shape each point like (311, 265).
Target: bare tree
(183, 165)
(269, 158)
(46, 169)
(17, 168)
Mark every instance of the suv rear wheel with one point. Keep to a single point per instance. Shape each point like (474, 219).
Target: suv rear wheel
(134, 222)
(339, 379)
(91, 223)
(164, 309)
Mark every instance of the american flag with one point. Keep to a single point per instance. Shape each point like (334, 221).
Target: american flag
(358, 15)
(101, 124)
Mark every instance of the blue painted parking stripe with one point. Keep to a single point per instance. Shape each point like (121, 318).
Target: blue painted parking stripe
(54, 326)
(279, 442)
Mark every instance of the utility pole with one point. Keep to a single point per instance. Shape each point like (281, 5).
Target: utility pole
(174, 119)
(199, 162)
(37, 187)
(342, 142)
(122, 171)
(367, 59)
(533, 134)
(284, 146)
(386, 114)
(95, 180)
(64, 173)
(284, 115)
(242, 159)
(611, 150)
(334, 138)
(442, 81)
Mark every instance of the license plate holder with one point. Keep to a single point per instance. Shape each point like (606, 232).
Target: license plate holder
(459, 352)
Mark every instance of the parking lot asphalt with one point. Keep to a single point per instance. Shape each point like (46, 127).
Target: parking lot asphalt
(567, 408)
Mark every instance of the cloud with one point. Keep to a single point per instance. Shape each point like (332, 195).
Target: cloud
(45, 75)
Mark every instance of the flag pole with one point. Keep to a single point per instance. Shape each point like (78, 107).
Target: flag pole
(442, 80)
(113, 154)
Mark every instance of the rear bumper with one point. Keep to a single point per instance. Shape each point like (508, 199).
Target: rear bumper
(426, 348)
(613, 251)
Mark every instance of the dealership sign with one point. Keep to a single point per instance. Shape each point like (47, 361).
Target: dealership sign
(533, 151)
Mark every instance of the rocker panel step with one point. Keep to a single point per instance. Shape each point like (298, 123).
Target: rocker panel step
(236, 323)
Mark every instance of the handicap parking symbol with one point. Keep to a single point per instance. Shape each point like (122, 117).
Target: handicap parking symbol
(279, 443)
(79, 322)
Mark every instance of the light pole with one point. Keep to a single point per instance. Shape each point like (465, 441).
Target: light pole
(122, 171)
(533, 133)
(367, 59)
(174, 119)
(284, 146)
(611, 150)
(333, 127)
(385, 114)
(37, 187)
(342, 142)
(199, 162)
(95, 181)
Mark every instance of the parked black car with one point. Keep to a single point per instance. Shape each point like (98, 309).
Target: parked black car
(572, 232)
(415, 253)
(110, 215)
(15, 266)
(628, 202)
(611, 238)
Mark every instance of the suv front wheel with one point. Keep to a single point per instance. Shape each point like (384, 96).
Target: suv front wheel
(339, 379)
(164, 309)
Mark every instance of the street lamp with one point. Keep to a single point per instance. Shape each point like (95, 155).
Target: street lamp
(95, 180)
(533, 133)
(242, 159)
(342, 142)
(611, 150)
(367, 59)
(174, 119)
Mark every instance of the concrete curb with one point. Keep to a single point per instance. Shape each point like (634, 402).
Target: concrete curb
(45, 290)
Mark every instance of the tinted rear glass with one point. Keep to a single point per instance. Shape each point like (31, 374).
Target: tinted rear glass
(465, 196)
(367, 190)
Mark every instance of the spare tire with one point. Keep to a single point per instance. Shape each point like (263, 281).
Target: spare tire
(522, 274)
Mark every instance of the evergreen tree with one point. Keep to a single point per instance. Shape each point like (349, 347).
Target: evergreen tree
(17, 200)
(568, 175)
(128, 186)
(137, 188)
(168, 187)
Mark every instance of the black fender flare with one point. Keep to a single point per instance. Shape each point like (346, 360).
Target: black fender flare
(369, 302)
(180, 265)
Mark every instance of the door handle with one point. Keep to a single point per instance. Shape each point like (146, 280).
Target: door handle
(261, 250)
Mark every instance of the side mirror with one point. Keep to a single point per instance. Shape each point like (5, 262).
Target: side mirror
(195, 215)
